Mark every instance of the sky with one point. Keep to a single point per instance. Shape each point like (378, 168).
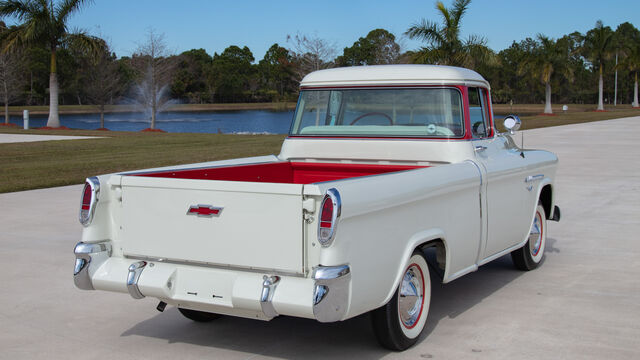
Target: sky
(216, 24)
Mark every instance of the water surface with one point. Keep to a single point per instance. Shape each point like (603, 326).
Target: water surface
(228, 122)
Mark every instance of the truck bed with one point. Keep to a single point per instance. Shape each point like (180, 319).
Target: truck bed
(286, 172)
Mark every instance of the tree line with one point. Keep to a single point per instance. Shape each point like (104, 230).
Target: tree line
(81, 69)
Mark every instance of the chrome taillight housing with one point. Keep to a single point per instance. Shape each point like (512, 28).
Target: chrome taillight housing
(89, 200)
(330, 211)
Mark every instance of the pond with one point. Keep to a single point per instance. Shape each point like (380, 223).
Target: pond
(227, 122)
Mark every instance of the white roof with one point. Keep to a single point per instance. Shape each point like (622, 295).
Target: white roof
(394, 75)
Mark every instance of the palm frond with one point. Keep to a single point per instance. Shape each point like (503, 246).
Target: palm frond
(459, 8)
(427, 55)
(67, 7)
(444, 45)
(82, 41)
(20, 9)
(475, 52)
(444, 12)
(11, 39)
(427, 31)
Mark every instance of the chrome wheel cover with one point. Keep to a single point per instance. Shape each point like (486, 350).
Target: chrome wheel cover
(535, 235)
(411, 296)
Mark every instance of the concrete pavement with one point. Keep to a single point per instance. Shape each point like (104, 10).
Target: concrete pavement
(582, 303)
(13, 138)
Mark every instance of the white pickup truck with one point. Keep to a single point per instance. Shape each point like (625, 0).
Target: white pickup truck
(381, 164)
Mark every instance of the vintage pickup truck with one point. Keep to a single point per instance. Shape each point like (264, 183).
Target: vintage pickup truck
(382, 164)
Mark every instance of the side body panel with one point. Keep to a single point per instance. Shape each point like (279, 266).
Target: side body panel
(385, 218)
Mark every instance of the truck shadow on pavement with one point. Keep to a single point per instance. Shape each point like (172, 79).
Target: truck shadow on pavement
(289, 337)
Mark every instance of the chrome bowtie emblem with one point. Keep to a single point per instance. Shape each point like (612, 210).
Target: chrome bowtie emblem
(204, 210)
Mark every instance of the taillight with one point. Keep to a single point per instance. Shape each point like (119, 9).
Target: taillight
(89, 200)
(330, 210)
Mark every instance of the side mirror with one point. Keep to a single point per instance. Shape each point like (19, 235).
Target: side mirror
(512, 123)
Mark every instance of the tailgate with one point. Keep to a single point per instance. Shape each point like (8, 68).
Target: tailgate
(259, 226)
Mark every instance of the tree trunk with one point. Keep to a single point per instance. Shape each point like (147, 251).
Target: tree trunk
(600, 86)
(54, 120)
(635, 92)
(547, 102)
(154, 100)
(101, 116)
(6, 110)
(30, 101)
(153, 112)
(6, 104)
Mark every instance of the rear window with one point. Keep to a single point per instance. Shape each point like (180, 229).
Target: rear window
(420, 112)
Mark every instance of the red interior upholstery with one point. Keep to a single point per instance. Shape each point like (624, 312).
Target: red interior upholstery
(283, 172)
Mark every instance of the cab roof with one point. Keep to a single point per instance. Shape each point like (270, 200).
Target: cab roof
(389, 75)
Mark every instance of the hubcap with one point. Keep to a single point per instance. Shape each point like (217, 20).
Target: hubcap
(535, 235)
(411, 297)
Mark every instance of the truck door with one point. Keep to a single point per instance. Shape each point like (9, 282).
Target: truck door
(507, 217)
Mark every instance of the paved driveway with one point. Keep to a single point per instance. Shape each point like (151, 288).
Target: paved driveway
(14, 138)
(584, 302)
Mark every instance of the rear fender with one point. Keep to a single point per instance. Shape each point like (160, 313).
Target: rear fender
(416, 241)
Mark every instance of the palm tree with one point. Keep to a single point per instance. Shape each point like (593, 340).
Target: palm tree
(444, 45)
(632, 62)
(550, 59)
(597, 46)
(44, 23)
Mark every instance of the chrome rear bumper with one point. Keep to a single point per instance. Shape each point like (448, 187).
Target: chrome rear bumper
(88, 254)
(324, 297)
(331, 292)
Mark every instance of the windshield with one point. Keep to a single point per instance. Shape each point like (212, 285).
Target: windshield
(419, 112)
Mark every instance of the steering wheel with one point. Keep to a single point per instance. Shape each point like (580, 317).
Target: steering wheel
(372, 114)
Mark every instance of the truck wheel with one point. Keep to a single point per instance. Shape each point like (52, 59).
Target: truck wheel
(399, 323)
(199, 316)
(530, 255)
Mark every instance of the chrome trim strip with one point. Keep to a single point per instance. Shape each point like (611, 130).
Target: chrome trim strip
(86, 254)
(531, 178)
(94, 183)
(334, 195)
(268, 290)
(133, 276)
(482, 216)
(331, 292)
(147, 172)
(212, 265)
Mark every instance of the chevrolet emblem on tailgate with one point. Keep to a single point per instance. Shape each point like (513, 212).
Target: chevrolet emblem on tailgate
(204, 210)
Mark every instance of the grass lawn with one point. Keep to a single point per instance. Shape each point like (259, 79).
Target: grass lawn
(531, 115)
(43, 164)
(34, 165)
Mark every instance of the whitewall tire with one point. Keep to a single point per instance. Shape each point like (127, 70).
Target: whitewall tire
(531, 254)
(399, 323)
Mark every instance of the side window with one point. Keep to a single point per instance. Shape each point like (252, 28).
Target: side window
(478, 112)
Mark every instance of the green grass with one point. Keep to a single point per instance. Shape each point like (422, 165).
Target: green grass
(531, 114)
(25, 166)
(44, 164)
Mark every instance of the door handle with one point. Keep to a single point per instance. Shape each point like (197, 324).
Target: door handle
(480, 148)
(531, 178)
